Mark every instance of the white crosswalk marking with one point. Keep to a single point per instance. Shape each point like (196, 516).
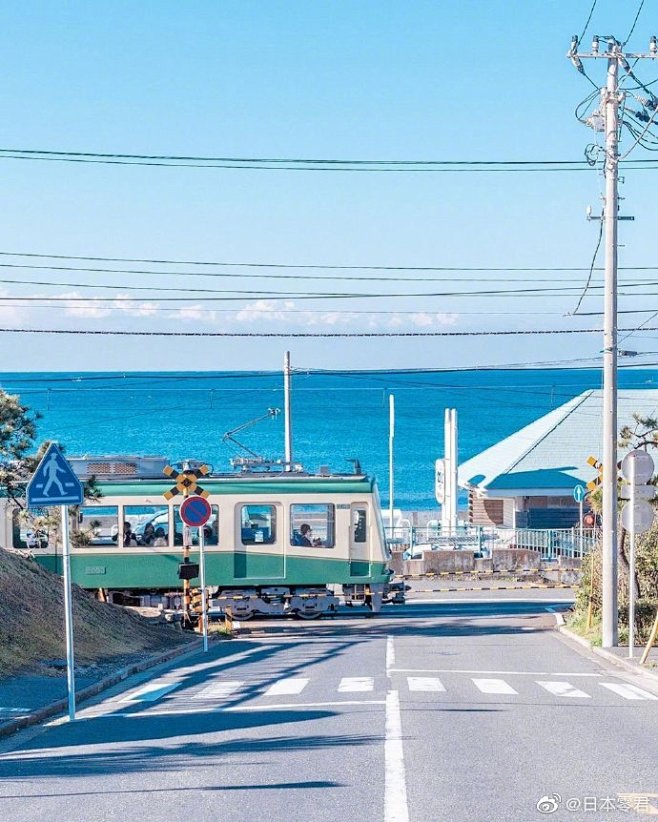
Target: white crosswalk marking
(218, 690)
(425, 683)
(290, 685)
(351, 684)
(151, 692)
(628, 691)
(563, 689)
(493, 686)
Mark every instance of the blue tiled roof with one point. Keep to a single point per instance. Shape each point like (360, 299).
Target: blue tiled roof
(550, 455)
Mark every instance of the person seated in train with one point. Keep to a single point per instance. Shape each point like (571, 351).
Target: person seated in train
(159, 538)
(149, 533)
(128, 536)
(306, 536)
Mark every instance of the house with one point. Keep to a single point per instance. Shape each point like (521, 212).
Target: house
(527, 480)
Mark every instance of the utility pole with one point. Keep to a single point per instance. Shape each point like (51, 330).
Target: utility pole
(610, 97)
(610, 103)
(287, 412)
(391, 471)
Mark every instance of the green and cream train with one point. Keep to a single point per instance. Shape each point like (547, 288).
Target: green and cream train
(274, 543)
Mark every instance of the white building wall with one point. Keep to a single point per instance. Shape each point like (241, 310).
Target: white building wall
(509, 518)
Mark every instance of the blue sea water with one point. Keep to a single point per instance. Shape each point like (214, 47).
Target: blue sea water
(336, 417)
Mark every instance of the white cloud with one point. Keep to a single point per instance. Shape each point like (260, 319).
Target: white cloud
(263, 310)
(423, 319)
(12, 315)
(77, 307)
(197, 313)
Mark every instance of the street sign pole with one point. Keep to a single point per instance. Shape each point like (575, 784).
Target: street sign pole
(637, 517)
(202, 579)
(631, 571)
(582, 539)
(68, 611)
(55, 483)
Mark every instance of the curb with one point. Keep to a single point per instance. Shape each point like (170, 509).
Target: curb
(61, 706)
(489, 588)
(615, 660)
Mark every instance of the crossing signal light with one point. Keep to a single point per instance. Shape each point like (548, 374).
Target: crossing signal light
(188, 570)
(196, 600)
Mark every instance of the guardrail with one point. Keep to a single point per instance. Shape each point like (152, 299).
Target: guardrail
(551, 543)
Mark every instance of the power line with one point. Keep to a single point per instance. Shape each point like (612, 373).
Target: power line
(591, 269)
(639, 11)
(300, 164)
(271, 265)
(304, 334)
(241, 295)
(591, 12)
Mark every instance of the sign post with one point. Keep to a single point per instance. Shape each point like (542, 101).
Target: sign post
(55, 483)
(195, 513)
(186, 483)
(579, 494)
(637, 516)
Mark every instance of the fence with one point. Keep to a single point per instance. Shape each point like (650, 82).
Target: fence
(551, 543)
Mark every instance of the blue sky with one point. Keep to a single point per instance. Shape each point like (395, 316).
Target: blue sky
(398, 80)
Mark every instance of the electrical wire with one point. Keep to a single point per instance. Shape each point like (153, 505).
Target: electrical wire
(297, 164)
(269, 265)
(591, 269)
(628, 37)
(235, 295)
(589, 17)
(304, 334)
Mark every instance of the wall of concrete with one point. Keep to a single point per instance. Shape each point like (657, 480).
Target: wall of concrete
(566, 570)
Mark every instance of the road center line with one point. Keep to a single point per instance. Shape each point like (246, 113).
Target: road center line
(396, 808)
(390, 654)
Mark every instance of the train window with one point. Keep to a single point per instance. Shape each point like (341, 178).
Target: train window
(312, 525)
(146, 525)
(258, 524)
(359, 524)
(33, 531)
(97, 525)
(210, 529)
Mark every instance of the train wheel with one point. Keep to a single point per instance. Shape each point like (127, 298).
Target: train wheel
(244, 616)
(308, 615)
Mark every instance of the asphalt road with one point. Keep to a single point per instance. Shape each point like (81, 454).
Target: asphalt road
(432, 711)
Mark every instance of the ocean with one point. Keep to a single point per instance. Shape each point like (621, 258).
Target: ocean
(337, 417)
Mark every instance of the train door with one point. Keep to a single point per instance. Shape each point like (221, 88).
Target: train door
(359, 540)
(259, 551)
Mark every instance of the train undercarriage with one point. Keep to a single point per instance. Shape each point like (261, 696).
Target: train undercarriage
(307, 602)
(303, 602)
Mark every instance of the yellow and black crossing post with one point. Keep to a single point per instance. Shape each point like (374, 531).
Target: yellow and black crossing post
(594, 484)
(186, 483)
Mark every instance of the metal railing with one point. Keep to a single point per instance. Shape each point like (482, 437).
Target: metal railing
(550, 543)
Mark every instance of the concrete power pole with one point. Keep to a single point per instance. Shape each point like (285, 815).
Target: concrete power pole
(610, 103)
(287, 412)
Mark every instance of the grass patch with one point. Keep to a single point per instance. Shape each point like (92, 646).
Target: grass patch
(32, 622)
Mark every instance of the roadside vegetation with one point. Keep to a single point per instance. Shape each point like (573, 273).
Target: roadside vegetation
(32, 599)
(643, 434)
(32, 623)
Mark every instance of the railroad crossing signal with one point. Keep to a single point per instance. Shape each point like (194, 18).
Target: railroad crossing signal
(196, 600)
(594, 484)
(186, 481)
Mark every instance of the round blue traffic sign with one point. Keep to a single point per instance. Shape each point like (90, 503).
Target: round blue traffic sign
(195, 511)
(579, 493)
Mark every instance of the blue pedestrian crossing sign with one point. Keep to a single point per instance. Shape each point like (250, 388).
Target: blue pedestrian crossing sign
(54, 482)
